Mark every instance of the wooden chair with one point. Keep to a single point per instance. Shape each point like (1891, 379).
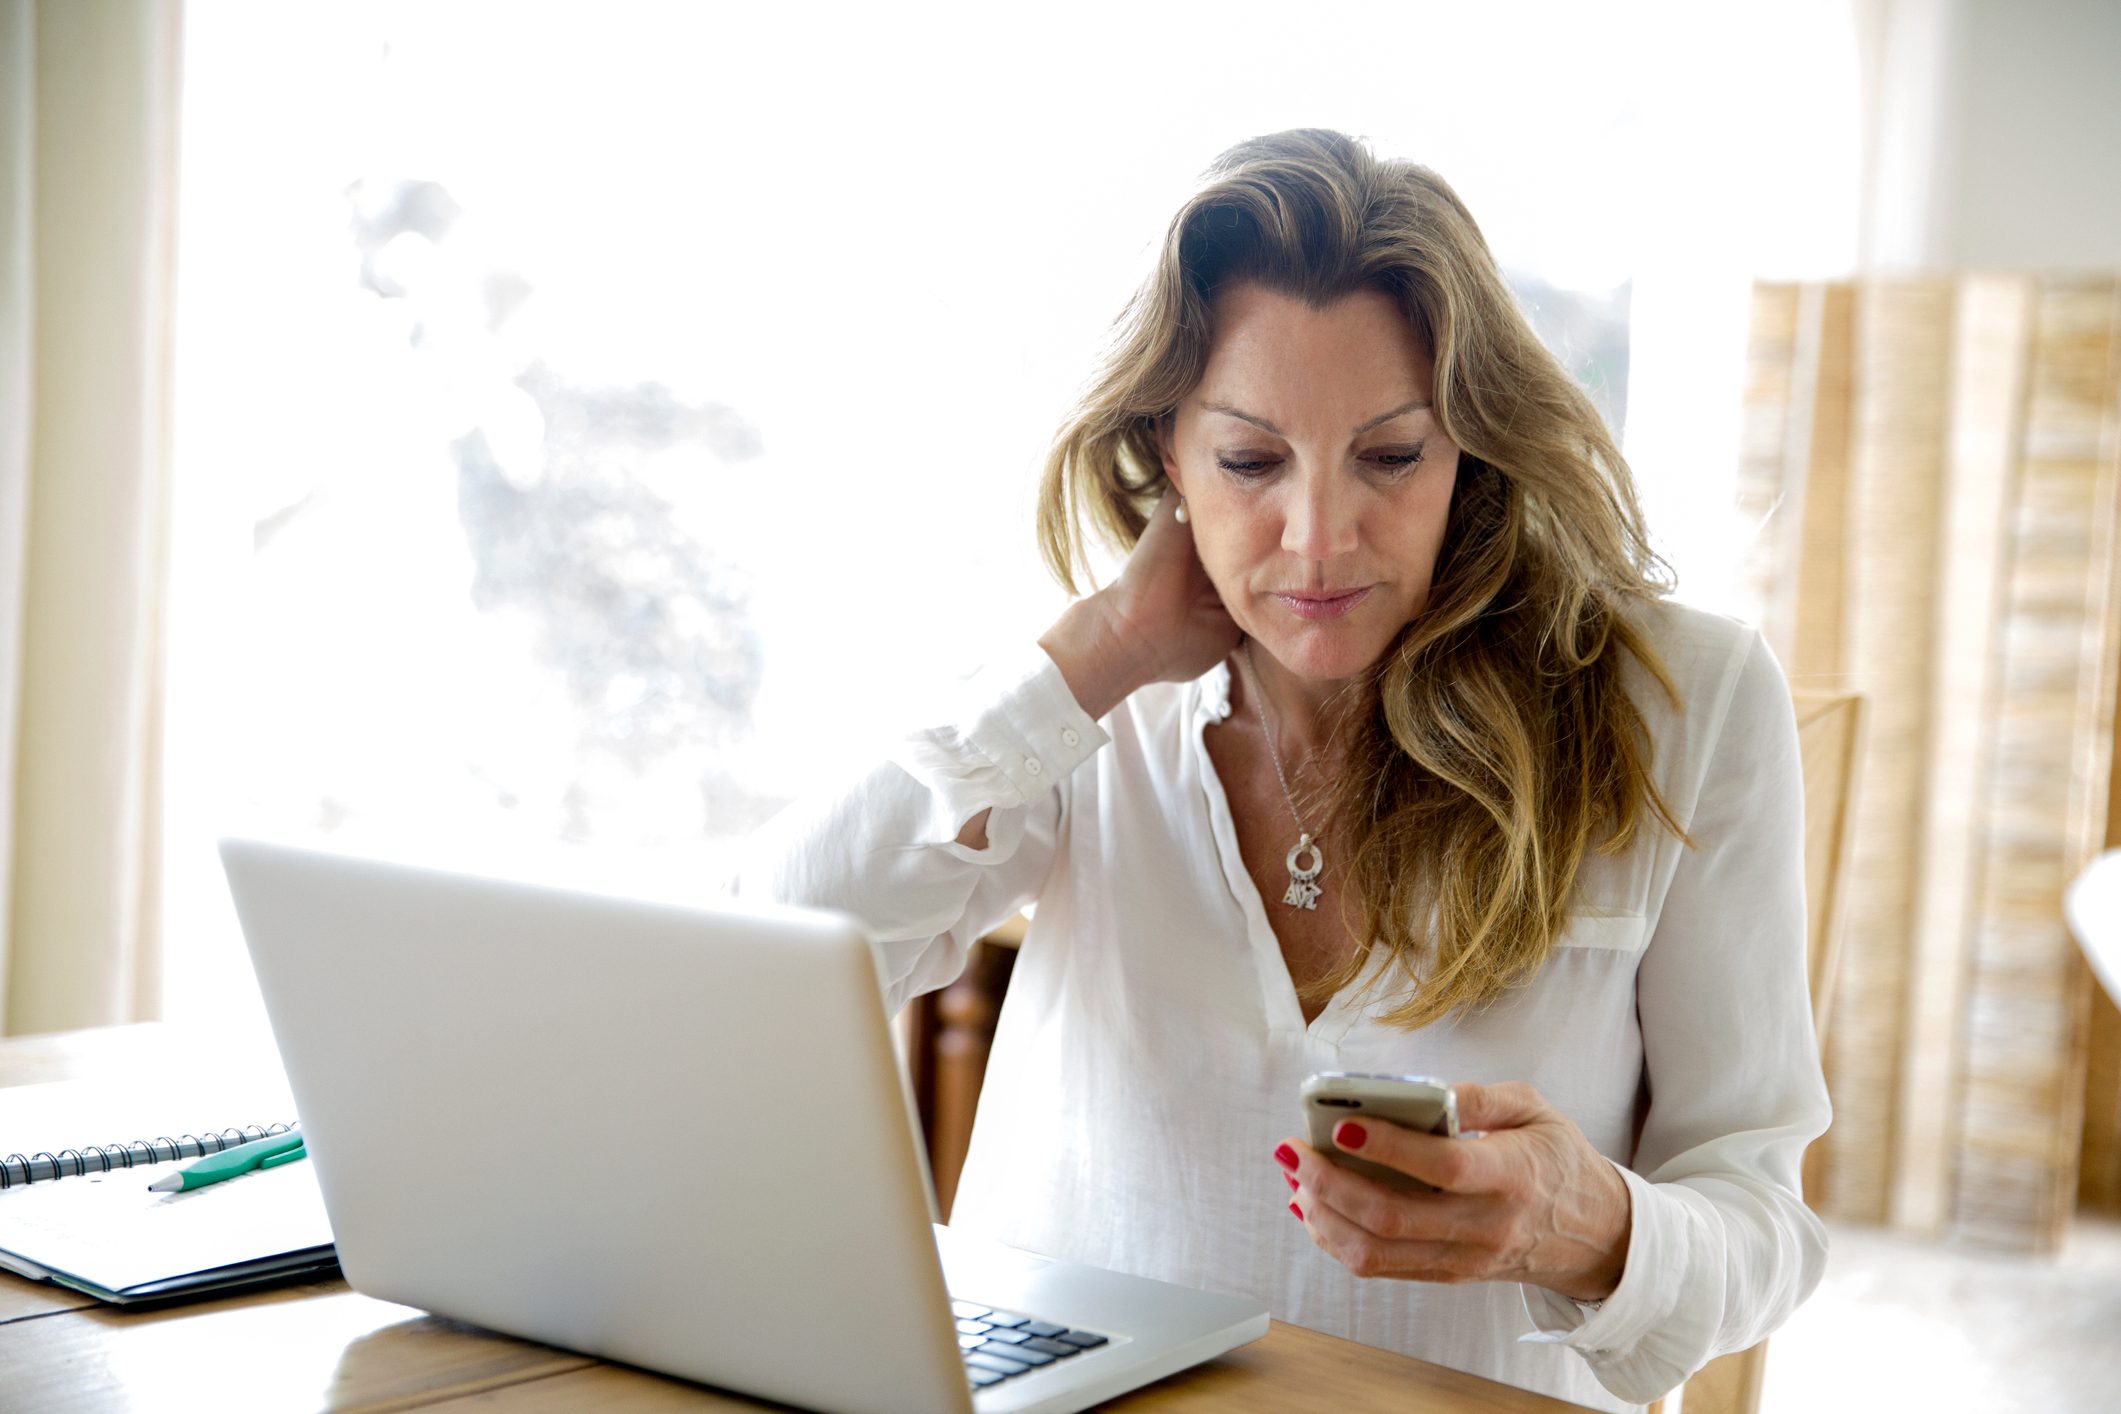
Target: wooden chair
(1829, 734)
(952, 1032)
(953, 1029)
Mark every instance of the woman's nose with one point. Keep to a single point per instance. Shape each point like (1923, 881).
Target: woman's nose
(1319, 520)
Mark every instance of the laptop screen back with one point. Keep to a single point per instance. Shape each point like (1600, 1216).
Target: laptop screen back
(671, 1136)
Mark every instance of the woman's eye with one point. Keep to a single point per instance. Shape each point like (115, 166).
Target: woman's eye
(1399, 461)
(1252, 466)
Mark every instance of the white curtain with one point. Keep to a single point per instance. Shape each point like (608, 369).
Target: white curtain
(88, 115)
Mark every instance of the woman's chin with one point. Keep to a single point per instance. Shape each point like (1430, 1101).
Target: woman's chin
(1322, 653)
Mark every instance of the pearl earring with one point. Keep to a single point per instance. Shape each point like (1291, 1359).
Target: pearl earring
(1180, 515)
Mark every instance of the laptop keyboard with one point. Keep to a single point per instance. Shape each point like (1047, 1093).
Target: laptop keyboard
(998, 1344)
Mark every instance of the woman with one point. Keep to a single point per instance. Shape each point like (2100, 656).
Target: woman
(1384, 752)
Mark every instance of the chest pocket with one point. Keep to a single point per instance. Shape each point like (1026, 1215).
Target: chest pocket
(1601, 931)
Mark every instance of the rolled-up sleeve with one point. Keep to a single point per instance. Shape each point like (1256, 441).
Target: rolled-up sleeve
(1722, 1247)
(886, 849)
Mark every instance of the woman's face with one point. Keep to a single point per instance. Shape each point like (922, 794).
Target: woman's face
(1315, 475)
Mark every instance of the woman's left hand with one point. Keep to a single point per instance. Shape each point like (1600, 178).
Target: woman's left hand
(1529, 1200)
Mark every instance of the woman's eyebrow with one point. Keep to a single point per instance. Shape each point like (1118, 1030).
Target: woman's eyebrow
(1417, 405)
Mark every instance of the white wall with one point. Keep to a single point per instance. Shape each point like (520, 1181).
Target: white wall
(2037, 177)
(1993, 134)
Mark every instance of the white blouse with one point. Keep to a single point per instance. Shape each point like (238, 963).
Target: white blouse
(1149, 1053)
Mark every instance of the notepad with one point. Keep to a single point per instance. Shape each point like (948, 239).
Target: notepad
(106, 1235)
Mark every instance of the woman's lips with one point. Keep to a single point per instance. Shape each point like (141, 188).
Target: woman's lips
(1327, 604)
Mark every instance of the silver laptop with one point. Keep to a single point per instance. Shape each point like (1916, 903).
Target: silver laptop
(671, 1136)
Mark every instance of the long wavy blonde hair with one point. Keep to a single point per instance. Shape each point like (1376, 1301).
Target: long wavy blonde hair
(1500, 743)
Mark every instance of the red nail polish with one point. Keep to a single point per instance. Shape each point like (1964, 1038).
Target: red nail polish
(1285, 1156)
(1292, 1180)
(1350, 1135)
(1296, 1210)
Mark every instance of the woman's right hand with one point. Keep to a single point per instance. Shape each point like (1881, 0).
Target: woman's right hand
(1160, 621)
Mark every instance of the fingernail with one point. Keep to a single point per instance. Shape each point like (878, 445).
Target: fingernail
(1350, 1135)
(1292, 1180)
(1285, 1156)
(1296, 1210)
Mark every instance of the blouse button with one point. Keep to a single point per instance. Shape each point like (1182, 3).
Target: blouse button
(1031, 764)
(1069, 736)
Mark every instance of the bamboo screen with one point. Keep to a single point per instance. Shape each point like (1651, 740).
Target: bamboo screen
(1935, 465)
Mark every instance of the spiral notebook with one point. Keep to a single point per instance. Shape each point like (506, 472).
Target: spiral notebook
(19, 1170)
(83, 1217)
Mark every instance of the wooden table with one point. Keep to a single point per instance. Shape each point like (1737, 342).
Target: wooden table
(321, 1345)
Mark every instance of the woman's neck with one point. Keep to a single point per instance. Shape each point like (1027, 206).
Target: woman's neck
(1309, 721)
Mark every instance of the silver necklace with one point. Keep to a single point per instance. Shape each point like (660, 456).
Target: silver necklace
(1303, 882)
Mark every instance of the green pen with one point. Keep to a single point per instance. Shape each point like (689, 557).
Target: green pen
(269, 1152)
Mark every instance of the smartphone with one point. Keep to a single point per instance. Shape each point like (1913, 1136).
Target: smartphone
(1410, 1101)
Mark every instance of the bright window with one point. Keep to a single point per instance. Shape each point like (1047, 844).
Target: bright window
(599, 424)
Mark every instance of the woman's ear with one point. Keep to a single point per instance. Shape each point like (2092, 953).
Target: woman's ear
(1167, 451)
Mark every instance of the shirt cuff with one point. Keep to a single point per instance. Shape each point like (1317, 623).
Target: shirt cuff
(1019, 733)
(1612, 1335)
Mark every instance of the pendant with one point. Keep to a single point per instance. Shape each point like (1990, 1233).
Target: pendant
(1303, 888)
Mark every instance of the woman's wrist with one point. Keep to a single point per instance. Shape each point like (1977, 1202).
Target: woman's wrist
(1601, 1277)
(1087, 647)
